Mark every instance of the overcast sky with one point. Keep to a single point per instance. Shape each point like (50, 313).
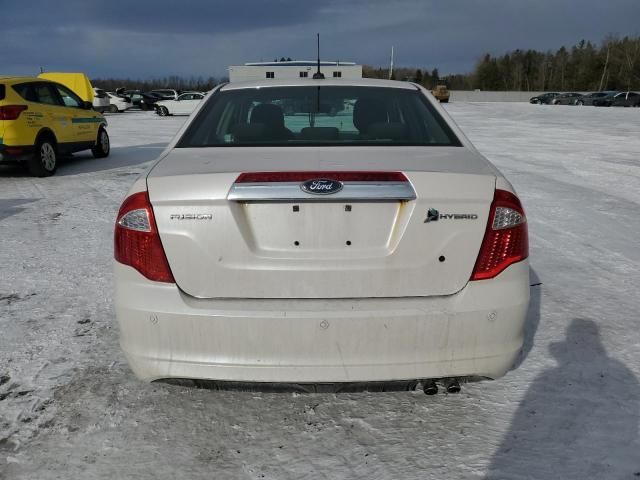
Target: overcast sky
(147, 38)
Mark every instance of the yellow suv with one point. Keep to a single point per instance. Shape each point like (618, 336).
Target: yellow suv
(41, 119)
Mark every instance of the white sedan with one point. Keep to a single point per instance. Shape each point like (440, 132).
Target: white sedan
(183, 105)
(118, 103)
(322, 231)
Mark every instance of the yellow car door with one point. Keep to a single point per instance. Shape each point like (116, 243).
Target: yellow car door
(57, 118)
(84, 123)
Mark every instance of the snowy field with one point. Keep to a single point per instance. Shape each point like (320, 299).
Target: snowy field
(71, 409)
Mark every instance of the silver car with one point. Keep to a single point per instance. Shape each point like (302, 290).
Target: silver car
(321, 231)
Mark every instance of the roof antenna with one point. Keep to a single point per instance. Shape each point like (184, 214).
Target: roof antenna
(318, 75)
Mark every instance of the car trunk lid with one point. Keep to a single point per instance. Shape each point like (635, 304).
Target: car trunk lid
(230, 231)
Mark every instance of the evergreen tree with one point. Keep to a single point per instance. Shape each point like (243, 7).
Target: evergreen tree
(435, 77)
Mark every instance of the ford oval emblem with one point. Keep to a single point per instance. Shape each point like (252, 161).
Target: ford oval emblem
(321, 186)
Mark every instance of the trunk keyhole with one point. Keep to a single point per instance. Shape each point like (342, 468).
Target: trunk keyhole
(441, 258)
(296, 243)
(348, 243)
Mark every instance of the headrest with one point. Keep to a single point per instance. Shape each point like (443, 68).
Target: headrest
(368, 111)
(268, 114)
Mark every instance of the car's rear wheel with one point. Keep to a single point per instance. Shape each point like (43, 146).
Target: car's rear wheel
(113, 109)
(163, 111)
(44, 161)
(103, 145)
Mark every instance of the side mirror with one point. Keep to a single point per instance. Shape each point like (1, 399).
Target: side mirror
(87, 105)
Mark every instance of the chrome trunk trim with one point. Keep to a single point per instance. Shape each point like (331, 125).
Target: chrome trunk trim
(291, 191)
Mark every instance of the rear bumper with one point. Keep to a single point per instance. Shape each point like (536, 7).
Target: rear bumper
(476, 332)
(15, 154)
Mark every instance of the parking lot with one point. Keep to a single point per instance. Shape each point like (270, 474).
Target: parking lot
(70, 407)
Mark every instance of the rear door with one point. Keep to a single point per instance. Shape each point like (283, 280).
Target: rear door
(186, 103)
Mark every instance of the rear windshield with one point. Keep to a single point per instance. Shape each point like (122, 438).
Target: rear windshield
(317, 115)
(2, 90)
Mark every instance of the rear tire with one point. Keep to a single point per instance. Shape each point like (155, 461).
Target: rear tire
(102, 147)
(163, 111)
(113, 109)
(44, 161)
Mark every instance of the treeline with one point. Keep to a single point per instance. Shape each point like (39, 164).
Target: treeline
(424, 77)
(200, 84)
(614, 65)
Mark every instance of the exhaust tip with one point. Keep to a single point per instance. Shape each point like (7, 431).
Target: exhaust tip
(452, 385)
(430, 387)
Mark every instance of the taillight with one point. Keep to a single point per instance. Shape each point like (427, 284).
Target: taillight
(342, 176)
(137, 242)
(12, 112)
(506, 240)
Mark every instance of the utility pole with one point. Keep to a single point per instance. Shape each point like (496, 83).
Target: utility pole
(604, 70)
(391, 64)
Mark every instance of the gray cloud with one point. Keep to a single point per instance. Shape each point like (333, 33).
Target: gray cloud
(202, 37)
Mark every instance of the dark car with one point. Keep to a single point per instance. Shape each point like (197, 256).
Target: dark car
(605, 101)
(134, 95)
(544, 99)
(626, 99)
(589, 98)
(569, 98)
(149, 100)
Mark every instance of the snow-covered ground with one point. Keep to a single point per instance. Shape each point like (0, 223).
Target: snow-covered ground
(70, 408)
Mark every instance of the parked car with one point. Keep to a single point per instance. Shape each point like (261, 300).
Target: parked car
(41, 120)
(606, 100)
(569, 98)
(166, 93)
(589, 98)
(183, 105)
(149, 100)
(441, 92)
(135, 96)
(118, 103)
(626, 99)
(372, 246)
(544, 99)
(101, 101)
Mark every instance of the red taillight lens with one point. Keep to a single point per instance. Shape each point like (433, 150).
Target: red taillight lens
(506, 240)
(12, 112)
(137, 242)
